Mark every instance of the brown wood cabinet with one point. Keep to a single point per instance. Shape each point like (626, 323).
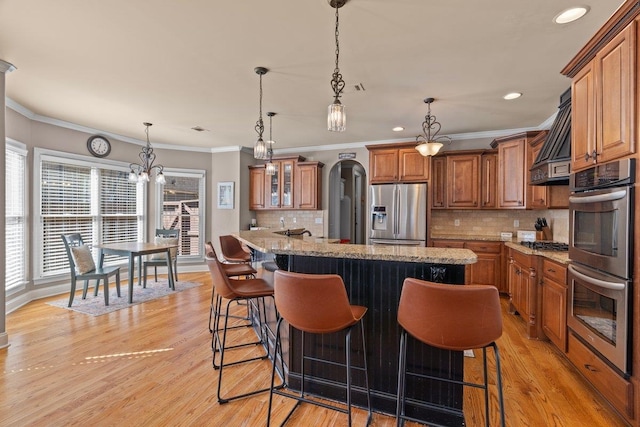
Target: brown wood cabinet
(544, 196)
(604, 102)
(308, 185)
(554, 302)
(438, 182)
(513, 170)
(397, 163)
(488, 269)
(297, 184)
(523, 289)
(463, 185)
(489, 180)
(257, 187)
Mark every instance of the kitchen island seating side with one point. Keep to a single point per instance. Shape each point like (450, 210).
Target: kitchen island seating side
(317, 304)
(449, 317)
(87, 270)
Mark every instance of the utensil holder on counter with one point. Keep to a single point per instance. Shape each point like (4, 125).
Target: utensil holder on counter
(544, 234)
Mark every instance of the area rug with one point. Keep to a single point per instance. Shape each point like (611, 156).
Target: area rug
(94, 305)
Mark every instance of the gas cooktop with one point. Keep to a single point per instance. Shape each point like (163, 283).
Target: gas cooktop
(546, 246)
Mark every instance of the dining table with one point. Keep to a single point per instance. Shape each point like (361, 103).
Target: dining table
(134, 250)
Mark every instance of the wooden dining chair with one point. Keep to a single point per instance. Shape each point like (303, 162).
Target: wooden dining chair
(83, 267)
(163, 236)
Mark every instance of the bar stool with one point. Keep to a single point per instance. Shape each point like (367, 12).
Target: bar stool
(232, 251)
(317, 304)
(449, 317)
(231, 270)
(235, 290)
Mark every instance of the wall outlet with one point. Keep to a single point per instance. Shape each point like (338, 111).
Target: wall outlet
(456, 222)
(516, 223)
(318, 220)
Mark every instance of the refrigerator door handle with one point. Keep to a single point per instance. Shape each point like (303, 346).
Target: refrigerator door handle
(396, 212)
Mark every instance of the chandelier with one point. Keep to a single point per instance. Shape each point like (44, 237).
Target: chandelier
(260, 148)
(337, 116)
(140, 172)
(429, 144)
(271, 167)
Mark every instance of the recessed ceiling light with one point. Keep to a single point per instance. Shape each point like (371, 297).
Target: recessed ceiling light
(512, 95)
(571, 14)
(398, 129)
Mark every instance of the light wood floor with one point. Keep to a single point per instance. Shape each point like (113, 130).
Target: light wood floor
(151, 366)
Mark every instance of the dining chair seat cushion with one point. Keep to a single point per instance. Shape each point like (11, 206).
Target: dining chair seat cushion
(160, 240)
(83, 259)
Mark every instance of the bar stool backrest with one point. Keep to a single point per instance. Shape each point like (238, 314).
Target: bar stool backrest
(232, 250)
(315, 303)
(208, 250)
(451, 317)
(219, 277)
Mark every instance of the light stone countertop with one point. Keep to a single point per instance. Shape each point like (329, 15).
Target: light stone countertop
(269, 242)
(559, 256)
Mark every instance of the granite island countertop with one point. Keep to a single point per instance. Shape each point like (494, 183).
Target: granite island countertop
(269, 242)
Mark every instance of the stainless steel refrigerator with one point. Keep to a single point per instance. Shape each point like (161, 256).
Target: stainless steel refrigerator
(398, 214)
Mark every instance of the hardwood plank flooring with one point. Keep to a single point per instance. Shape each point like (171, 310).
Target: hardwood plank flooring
(150, 365)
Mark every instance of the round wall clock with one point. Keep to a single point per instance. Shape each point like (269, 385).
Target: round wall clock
(99, 146)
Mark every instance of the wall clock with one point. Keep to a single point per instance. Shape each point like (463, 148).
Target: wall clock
(98, 146)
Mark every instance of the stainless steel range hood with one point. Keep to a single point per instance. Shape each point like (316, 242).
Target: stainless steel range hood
(553, 164)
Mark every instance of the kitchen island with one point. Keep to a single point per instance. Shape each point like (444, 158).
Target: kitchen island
(373, 277)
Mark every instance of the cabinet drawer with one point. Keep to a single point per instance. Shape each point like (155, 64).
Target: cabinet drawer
(522, 258)
(484, 247)
(554, 271)
(617, 390)
(454, 244)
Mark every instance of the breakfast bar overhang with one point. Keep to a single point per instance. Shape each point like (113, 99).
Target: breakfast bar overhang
(373, 276)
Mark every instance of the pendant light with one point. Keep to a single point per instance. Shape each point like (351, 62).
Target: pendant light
(141, 172)
(337, 116)
(271, 167)
(429, 144)
(260, 148)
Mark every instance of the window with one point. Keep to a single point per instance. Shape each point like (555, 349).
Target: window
(75, 195)
(183, 202)
(15, 215)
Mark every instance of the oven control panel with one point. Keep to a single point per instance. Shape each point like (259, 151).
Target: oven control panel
(616, 173)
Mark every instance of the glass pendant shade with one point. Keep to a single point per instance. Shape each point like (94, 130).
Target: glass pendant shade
(270, 169)
(260, 149)
(337, 117)
(143, 177)
(133, 177)
(429, 148)
(160, 179)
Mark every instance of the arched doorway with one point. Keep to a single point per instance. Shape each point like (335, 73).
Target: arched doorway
(347, 202)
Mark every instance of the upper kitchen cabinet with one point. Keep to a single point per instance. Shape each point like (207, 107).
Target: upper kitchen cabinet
(603, 92)
(463, 185)
(438, 182)
(308, 185)
(545, 196)
(489, 180)
(295, 185)
(513, 169)
(390, 163)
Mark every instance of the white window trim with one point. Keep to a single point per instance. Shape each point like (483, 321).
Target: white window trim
(43, 154)
(21, 149)
(187, 173)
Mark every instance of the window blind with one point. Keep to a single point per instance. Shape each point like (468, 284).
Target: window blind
(15, 218)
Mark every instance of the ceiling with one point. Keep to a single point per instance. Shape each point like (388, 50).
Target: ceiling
(111, 65)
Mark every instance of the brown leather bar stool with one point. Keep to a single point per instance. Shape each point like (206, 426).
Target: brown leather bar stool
(231, 270)
(449, 317)
(317, 304)
(235, 290)
(232, 251)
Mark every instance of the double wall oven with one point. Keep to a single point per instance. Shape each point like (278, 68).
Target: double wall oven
(601, 208)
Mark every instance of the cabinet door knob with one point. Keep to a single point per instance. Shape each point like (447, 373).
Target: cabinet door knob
(587, 156)
(594, 155)
(590, 367)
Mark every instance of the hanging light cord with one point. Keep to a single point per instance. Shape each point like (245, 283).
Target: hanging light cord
(260, 124)
(336, 80)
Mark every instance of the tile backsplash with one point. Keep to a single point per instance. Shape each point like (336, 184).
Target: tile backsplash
(303, 219)
(493, 222)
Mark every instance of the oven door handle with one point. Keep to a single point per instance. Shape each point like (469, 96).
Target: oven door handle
(607, 197)
(602, 283)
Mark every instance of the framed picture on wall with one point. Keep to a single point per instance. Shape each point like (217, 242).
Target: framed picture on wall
(225, 195)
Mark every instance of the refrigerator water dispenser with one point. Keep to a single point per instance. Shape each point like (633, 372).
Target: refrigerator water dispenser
(379, 218)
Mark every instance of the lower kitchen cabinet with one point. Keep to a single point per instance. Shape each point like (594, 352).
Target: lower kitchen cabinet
(522, 289)
(554, 302)
(488, 269)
